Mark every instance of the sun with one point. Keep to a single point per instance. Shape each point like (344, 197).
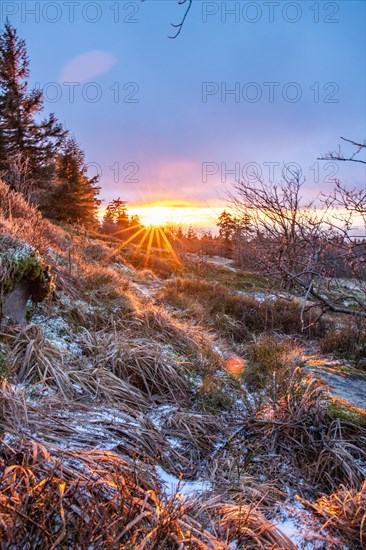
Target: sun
(156, 215)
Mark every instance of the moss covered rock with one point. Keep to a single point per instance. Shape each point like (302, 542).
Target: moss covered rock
(23, 275)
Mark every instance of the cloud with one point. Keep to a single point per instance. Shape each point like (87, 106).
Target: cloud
(88, 66)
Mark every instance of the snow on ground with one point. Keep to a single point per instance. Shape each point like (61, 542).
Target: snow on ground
(213, 260)
(221, 262)
(297, 524)
(159, 414)
(174, 485)
(141, 290)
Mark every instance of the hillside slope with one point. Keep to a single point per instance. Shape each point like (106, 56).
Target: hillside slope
(158, 402)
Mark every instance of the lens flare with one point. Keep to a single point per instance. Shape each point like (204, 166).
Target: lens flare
(235, 365)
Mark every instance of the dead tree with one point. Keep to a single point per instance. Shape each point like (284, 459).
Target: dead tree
(300, 245)
(348, 208)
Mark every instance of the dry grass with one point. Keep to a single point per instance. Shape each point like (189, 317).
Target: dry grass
(295, 428)
(164, 264)
(78, 470)
(344, 512)
(350, 340)
(72, 425)
(197, 434)
(37, 360)
(19, 219)
(13, 409)
(238, 317)
(268, 355)
(141, 363)
(88, 499)
(245, 526)
(103, 386)
(186, 338)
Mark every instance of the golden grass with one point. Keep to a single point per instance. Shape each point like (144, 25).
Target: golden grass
(344, 512)
(290, 427)
(85, 499)
(267, 355)
(140, 362)
(245, 525)
(78, 468)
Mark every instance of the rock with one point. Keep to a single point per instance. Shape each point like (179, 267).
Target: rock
(14, 305)
(23, 275)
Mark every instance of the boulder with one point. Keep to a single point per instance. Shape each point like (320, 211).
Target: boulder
(24, 275)
(14, 304)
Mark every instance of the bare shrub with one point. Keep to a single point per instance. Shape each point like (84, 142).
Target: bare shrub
(18, 175)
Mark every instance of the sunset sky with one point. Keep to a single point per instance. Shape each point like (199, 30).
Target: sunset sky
(152, 113)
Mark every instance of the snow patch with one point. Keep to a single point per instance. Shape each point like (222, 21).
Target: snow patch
(174, 485)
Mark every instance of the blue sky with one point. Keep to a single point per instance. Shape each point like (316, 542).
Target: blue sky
(138, 97)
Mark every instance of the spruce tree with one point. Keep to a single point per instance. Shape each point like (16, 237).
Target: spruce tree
(122, 217)
(109, 224)
(116, 219)
(20, 132)
(74, 198)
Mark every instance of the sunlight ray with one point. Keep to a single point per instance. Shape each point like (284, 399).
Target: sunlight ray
(170, 248)
(148, 252)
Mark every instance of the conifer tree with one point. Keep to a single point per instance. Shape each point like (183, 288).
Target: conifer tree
(116, 219)
(122, 217)
(135, 222)
(74, 198)
(109, 224)
(20, 132)
(191, 235)
(226, 224)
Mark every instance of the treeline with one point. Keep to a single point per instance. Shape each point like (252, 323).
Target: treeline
(39, 157)
(118, 223)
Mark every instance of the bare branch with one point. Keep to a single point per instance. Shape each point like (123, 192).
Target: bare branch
(338, 156)
(179, 26)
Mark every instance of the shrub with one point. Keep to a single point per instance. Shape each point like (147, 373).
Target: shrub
(268, 355)
(212, 397)
(237, 316)
(350, 340)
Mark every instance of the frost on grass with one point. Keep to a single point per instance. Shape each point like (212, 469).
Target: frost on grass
(111, 395)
